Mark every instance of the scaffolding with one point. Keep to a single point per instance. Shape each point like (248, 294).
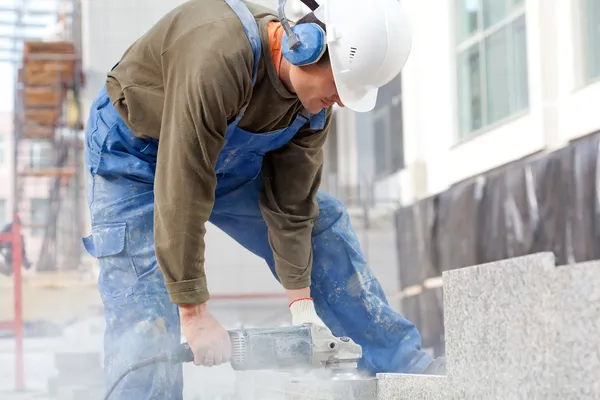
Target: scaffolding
(42, 41)
(45, 49)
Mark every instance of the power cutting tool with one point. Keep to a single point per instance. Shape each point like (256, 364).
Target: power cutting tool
(292, 348)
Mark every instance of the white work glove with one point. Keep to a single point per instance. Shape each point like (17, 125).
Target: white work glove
(303, 312)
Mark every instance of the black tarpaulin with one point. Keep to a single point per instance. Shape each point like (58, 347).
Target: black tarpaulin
(457, 226)
(550, 202)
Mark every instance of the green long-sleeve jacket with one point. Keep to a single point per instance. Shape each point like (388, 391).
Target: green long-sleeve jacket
(181, 83)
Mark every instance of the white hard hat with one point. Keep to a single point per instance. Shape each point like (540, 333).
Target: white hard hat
(369, 42)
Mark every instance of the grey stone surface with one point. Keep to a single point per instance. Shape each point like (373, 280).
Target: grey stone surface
(576, 354)
(516, 329)
(413, 387)
(499, 329)
(524, 329)
(282, 386)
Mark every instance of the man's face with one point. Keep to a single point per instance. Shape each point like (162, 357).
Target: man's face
(315, 87)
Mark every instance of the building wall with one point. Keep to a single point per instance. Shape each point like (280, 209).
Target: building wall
(110, 26)
(558, 100)
(6, 167)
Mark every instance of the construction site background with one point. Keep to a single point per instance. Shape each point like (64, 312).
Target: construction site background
(497, 96)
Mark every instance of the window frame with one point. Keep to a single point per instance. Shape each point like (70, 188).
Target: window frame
(383, 114)
(35, 230)
(586, 77)
(41, 154)
(386, 108)
(3, 212)
(462, 45)
(3, 149)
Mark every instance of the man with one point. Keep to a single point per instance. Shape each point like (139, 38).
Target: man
(205, 118)
(6, 251)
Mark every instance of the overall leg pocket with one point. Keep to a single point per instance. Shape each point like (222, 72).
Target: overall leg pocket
(107, 243)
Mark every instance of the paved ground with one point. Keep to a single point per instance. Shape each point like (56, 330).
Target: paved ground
(63, 298)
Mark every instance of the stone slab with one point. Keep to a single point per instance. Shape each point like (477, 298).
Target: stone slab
(576, 354)
(283, 386)
(515, 329)
(413, 387)
(498, 322)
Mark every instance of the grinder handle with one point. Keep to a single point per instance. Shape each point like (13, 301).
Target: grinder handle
(181, 354)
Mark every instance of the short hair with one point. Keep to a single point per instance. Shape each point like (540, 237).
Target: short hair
(311, 18)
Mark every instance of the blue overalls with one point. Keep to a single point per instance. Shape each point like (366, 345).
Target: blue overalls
(141, 321)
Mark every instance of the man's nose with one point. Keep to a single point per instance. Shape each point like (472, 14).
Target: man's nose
(337, 100)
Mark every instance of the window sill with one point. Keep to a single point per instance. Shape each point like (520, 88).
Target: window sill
(491, 127)
(587, 83)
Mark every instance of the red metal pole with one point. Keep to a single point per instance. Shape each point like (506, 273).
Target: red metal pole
(18, 300)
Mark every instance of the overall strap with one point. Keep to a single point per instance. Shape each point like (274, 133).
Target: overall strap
(251, 28)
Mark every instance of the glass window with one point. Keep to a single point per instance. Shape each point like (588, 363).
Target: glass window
(492, 62)
(388, 141)
(468, 17)
(41, 154)
(591, 15)
(382, 145)
(3, 218)
(471, 96)
(40, 216)
(2, 149)
(493, 11)
(331, 156)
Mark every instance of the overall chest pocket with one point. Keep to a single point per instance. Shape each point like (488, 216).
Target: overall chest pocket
(244, 151)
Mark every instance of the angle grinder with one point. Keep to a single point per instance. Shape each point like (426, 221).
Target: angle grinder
(293, 348)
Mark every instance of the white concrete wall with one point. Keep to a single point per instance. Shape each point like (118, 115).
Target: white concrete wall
(6, 168)
(560, 109)
(110, 26)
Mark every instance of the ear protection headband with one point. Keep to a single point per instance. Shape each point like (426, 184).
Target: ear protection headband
(302, 44)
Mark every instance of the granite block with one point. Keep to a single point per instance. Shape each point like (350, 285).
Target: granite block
(413, 387)
(499, 328)
(363, 389)
(576, 354)
(263, 385)
(523, 329)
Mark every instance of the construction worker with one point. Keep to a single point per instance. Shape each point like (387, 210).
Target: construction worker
(213, 116)
(6, 251)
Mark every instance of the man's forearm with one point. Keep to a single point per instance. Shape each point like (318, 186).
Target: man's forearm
(295, 294)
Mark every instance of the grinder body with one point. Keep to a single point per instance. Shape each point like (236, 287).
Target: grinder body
(271, 348)
(292, 347)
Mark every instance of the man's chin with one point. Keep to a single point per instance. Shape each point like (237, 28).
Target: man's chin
(315, 108)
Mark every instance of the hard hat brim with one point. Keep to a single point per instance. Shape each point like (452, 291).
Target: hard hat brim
(359, 100)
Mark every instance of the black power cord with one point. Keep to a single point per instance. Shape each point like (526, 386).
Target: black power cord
(181, 354)
(312, 4)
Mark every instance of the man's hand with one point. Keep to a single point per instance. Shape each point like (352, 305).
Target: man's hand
(302, 308)
(208, 340)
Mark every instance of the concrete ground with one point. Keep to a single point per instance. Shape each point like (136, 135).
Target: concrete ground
(71, 299)
(72, 302)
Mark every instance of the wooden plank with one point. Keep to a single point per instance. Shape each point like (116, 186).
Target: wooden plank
(42, 116)
(42, 96)
(43, 72)
(49, 65)
(42, 77)
(65, 172)
(35, 131)
(38, 47)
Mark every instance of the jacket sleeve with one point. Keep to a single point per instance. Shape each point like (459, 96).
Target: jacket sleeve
(292, 176)
(207, 78)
